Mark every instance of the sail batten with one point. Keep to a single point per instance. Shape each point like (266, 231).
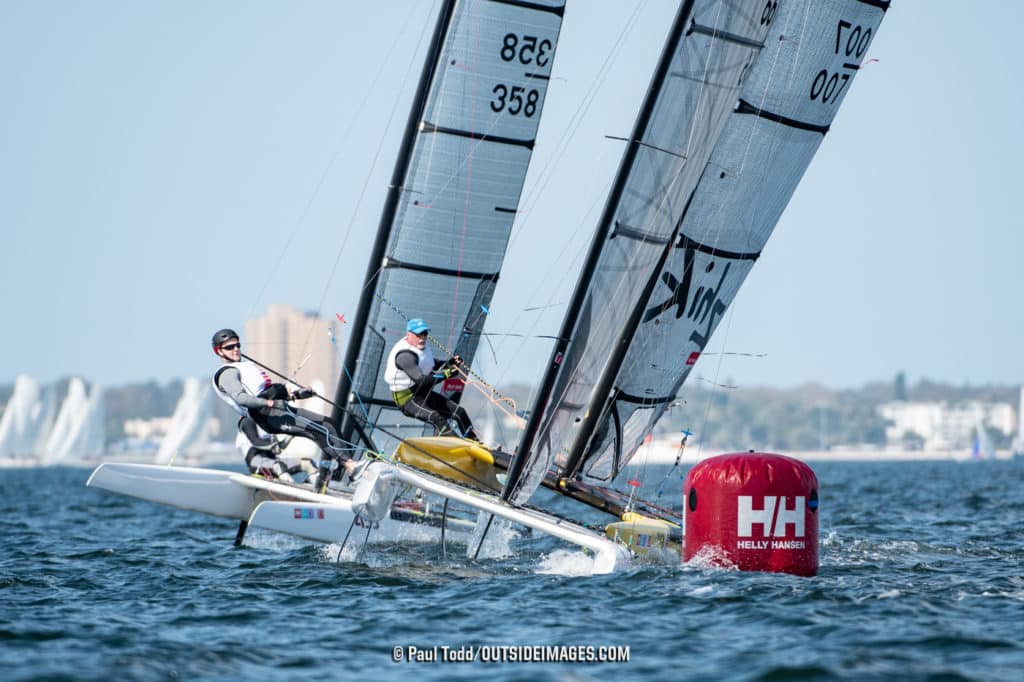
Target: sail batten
(690, 243)
(428, 127)
(557, 7)
(746, 107)
(724, 35)
(447, 272)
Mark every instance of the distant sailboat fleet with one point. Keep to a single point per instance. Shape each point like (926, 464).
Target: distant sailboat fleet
(34, 432)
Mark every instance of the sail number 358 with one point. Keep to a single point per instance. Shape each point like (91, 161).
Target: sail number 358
(527, 48)
(851, 42)
(517, 99)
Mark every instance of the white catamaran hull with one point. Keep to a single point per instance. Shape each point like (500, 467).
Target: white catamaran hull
(608, 555)
(269, 505)
(331, 518)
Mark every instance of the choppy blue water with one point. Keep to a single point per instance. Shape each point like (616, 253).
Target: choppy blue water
(922, 577)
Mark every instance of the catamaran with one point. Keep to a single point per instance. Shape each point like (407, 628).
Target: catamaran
(741, 97)
(462, 165)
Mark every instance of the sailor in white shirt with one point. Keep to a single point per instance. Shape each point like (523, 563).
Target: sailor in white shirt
(411, 372)
(250, 392)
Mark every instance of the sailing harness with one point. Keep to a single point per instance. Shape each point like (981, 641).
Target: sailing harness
(254, 380)
(467, 375)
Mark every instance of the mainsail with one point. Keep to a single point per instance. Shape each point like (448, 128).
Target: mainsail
(188, 432)
(697, 196)
(27, 419)
(454, 193)
(79, 431)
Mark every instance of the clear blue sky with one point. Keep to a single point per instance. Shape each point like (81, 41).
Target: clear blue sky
(157, 160)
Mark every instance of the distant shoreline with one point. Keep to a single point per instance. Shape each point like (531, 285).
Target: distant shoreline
(665, 453)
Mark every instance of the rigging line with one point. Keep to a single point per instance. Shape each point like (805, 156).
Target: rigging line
(490, 345)
(351, 380)
(769, 84)
(578, 116)
(566, 273)
(543, 307)
(581, 297)
(715, 383)
(746, 152)
(478, 136)
(467, 193)
(645, 144)
(538, 189)
(520, 336)
(495, 401)
(746, 355)
(666, 194)
(679, 457)
(433, 339)
(315, 394)
(376, 157)
(718, 370)
(327, 170)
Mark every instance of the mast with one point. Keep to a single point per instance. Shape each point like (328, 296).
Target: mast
(602, 391)
(340, 415)
(596, 247)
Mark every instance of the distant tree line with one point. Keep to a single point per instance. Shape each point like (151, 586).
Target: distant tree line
(812, 416)
(808, 417)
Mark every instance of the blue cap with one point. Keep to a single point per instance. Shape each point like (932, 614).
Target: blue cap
(417, 326)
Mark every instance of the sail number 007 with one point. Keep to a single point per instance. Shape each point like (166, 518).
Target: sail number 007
(827, 85)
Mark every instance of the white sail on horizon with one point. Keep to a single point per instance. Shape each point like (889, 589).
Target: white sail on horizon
(79, 430)
(188, 432)
(27, 419)
(1018, 446)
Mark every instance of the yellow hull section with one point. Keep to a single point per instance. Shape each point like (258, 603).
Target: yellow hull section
(461, 460)
(641, 533)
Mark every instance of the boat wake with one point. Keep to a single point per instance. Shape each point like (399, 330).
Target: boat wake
(565, 562)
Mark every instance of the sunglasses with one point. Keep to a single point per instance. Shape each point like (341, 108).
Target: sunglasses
(232, 346)
(423, 335)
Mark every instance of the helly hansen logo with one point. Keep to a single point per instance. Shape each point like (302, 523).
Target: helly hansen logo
(773, 514)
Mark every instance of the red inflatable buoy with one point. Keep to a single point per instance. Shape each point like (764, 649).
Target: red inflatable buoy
(756, 511)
